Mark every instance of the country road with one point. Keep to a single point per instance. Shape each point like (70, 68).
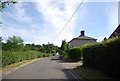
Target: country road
(47, 68)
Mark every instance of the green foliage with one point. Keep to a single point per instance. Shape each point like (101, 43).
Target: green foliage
(54, 54)
(64, 45)
(31, 47)
(49, 48)
(62, 52)
(75, 53)
(1, 43)
(6, 2)
(63, 48)
(9, 57)
(13, 43)
(15, 51)
(103, 56)
(1, 39)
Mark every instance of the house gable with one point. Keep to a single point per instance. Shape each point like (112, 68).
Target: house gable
(116, 32)
(81, 40)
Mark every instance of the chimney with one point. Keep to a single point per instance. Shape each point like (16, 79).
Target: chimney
(82, 33)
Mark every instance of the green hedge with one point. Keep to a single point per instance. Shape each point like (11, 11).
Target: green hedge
(75, 53)
(13, 57)
(103, 56)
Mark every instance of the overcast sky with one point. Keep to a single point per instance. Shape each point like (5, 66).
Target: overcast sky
(40, 22)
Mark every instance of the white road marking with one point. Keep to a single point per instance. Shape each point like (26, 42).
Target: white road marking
(8, 72)
(73, 75)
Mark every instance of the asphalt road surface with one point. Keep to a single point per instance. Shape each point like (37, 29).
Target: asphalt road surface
(47, 68)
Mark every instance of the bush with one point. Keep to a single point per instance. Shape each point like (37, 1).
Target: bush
(62, 52)
(75, 53)
(13, 57)
(54, 54)
(44, 55)
(103, 56)
(39, 55)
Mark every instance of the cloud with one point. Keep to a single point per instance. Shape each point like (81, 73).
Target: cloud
(112, 17)
(18, 13)
(27, 36)
(56, 14)
(72, 0)
(97, 0)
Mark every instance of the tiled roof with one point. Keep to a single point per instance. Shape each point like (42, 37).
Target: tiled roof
(116, 32)
(83, 38)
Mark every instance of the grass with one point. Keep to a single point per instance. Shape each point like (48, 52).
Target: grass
(89, 74)
(79, 61)
(11, 66)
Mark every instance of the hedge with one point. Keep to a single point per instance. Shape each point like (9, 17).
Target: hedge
(13, 57)
(103, 56)
(75, 53)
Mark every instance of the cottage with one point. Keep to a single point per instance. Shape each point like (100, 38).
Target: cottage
(81, 40)
(116, 32)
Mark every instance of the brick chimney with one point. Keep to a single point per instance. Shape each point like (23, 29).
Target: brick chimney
(82, 33)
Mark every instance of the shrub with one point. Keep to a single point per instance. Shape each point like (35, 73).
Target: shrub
(62, 52)
(44, 55)
(75, 53)
(13, 57)
(54, 54)
(39, 55)
(103, 56)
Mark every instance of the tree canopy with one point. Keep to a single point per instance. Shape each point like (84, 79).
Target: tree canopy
(64, 45)
(63, 48)
(13, 43)
(6, 2)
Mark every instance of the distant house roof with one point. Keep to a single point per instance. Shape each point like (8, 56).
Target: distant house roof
(116, 32)
(83, 37)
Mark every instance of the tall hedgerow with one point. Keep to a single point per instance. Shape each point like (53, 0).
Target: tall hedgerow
(103, 56)
(9, 57)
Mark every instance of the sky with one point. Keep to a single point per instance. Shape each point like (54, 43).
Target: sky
(41, 22)
(119, 12)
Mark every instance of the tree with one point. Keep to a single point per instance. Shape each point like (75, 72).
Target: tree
(105, 39)
(1, 43)
(1, 39)
(42, 49)
(64, 47)
(14, 43)
(3, 4)
(6, 2)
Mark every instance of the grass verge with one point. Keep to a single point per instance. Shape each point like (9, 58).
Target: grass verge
(89, 74)
(79, 61)
(11, 66)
